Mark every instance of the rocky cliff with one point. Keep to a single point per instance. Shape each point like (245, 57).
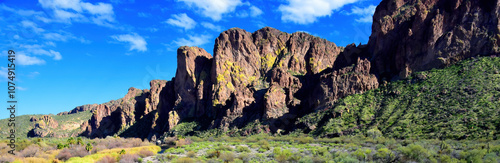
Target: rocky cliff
(274, 78)
(415, 35)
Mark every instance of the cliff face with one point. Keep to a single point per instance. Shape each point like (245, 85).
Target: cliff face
(276, 77)
(415, 35)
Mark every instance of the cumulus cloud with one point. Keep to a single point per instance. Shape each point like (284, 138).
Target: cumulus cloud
(136, 42)
(365, 13)
(27, 60)
(181, 20)
(193, 40)
(307, 11)
(78, 11)
(213, 9)
(211, 26)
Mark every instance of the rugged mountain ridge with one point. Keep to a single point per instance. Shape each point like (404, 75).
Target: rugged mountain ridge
(274, 78)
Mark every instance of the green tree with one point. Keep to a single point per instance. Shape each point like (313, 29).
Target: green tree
(89, 147)
(60, 146)
(71, 141)
(79, 141)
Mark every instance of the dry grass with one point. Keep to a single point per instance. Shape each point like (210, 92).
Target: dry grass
(64, 155)
(146, 153)
(182, 142)
(184, 160)
(107, 159)
(34, 160)
(7, 158)
(30, 151)
(126, 158)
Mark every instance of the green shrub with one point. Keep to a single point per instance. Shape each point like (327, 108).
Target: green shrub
(282, 155)
(444, 148)
(374, 133)
(384, 155)
(448, 159)
(379, 146)
(227, 156)
(224, 148)
(183, 129)
(184, 160)
(344, 158)
(475, 155)
(362, 154)
(245, 157)
(242, 149)
(305, 140)
(415, 152)
(491, 158)
(191, 154)
(213, 154)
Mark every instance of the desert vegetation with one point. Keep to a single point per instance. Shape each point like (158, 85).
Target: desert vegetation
(78, 150)
(441, 115)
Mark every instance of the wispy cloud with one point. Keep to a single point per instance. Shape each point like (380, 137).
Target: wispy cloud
(181, 20)
(211, 26)
(32, 26)
(254, 11)
(213, 9)
(193, 40)
(366, 13)
(3, 73)
(136, 42)
(77, 11)
(143, 14)
(63, 36)
(27, 60)
(307, 11)
(39, 50)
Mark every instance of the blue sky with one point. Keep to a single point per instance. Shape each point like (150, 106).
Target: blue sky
(75, 52)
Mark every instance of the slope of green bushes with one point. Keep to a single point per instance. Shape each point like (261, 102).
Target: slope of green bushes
(458, 102)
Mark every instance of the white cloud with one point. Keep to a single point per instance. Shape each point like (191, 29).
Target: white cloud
(213, 9)
(78, 11)
(4, 73)
(254, 11)
(136, 42)
(307, 11)
(38, 50)
(211, 26)
(182, 20)
(55, 37)
(143, 14)
(193, 40)
(63, 36)
(27, 60)
(21, 88)
(30, 25)
(365, 13)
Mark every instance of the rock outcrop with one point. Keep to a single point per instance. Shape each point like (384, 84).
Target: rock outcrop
(192, 82)
(43, 126)
(79, 109)
(346, 81)
(415, 35)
